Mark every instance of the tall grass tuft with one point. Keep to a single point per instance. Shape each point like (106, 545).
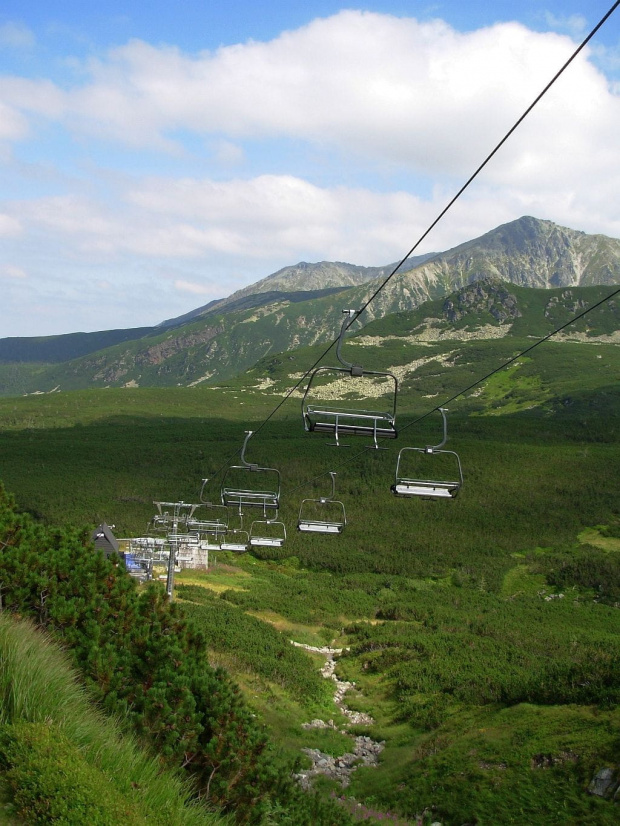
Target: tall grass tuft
(38, 686)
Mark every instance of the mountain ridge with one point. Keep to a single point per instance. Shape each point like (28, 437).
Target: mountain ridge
(226, 340)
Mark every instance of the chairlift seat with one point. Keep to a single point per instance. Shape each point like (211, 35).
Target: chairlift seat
(267, 541)
(211, 545)
(310, 526)
(235, 547)
(207, 525)
(426, 489)
(350, 422)
(186, 538)
(264, 499)
(237, 541)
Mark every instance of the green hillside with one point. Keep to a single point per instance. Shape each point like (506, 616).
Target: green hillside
(482, 633)
(61, 760)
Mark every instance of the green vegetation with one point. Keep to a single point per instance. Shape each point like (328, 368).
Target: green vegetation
(142, 660)
(256, 646)
(61, 760)
(482, 632)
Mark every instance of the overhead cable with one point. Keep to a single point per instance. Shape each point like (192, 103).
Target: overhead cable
(433, 224)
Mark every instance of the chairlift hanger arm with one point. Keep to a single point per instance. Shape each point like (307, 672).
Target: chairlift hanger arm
(353, 369)
(432, 448)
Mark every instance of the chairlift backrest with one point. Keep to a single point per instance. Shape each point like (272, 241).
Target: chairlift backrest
(322, 416)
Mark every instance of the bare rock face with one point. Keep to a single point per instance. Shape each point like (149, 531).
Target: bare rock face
(604, 783)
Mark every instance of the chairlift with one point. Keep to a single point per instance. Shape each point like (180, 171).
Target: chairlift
(237, 492)
(213, 518)
(408, 484)
(236, 540)
(267, 533)
(161, 521)
(324, 515)
(323, 417)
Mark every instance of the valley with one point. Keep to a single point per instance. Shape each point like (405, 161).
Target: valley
(477, 637)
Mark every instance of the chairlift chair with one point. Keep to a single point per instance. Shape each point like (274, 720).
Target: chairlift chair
(323, 417)
(238, 493)
(418, 485)
(267, 533)
(161, 521)
(235, 540)
(324, 515)
(212, 522)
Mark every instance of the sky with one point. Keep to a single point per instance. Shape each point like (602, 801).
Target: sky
(157, 156)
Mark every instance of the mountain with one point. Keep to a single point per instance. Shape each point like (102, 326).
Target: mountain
(55, 349)
(448, 344)
(301, 278)
(227, 337)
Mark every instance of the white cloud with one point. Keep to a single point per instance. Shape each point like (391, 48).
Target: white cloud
(195, 288)
(16, 36)
(13, 125)
(575, 25)
(228, 154)
(393, 89)
(393, 97)
(13, 272)
(9, 226)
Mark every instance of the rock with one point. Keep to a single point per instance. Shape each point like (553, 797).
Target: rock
(365, 752)
(603, 783)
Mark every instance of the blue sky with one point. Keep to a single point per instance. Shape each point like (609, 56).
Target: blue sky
(155, 157)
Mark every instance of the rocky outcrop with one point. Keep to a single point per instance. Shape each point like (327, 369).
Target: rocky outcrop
(605, 783)
(365, 751)
(487, 296)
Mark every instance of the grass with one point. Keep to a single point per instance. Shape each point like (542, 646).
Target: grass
(480, 685)
(47, 721)
(593, 536)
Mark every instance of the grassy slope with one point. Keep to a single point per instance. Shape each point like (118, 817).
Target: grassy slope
(61, 759)
(453, 588)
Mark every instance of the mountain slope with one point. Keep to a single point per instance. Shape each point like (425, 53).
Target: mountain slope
(302, 277)
(228, 337)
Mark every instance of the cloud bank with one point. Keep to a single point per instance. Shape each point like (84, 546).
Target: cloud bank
(340, 140)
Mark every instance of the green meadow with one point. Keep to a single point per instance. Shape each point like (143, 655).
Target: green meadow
(482, 633)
